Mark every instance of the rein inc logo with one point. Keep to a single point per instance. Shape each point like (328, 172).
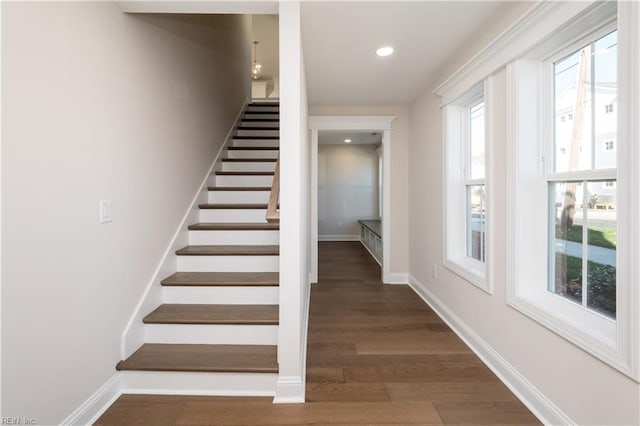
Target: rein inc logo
(17, 421)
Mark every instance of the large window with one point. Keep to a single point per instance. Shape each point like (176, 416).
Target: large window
(570, 114)
(582, 194)
(569, 178)
(466, 187)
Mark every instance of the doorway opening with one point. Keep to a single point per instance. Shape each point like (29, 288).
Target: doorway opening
(350, 181)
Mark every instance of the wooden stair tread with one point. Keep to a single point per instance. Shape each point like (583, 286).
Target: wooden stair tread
(254, 148)
(229, 250)
(244, 173)
(239, 188)
(213, 314)
(230, 226)
(249, 160)
(267, 103)
(266, 279)
(202, 358)
(232, 206)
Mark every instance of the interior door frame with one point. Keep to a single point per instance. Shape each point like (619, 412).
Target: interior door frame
(378, 123)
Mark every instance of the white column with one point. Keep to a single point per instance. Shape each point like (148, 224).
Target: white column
(294, 210)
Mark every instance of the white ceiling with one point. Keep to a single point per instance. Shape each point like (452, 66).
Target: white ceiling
(340, 40)
(358, 137)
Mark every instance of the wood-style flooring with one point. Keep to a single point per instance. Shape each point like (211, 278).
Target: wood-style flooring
(376, 355)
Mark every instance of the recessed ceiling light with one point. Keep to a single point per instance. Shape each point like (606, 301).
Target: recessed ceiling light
(384, 51)
(347, 141)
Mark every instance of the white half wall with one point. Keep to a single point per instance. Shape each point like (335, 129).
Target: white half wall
(294, 210)
(347, 189)
(98, 105)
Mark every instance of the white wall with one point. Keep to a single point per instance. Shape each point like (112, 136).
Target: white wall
(347, 189)
(584, 388)
(98, 105)
(399, 258)
(294, 210)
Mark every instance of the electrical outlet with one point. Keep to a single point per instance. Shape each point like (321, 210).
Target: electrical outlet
(434, 271)
(106, 211)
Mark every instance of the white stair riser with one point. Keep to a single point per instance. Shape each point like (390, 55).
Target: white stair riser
(256, 142)
(233, 215)
(274, 124)
(244, 180)
(222, 295)
(180, 383)
(228, 264)
(260, 116)
(239, 197)
(248, 166)
(212, 334)
(234, 237)
(250, 153)
(253, 132)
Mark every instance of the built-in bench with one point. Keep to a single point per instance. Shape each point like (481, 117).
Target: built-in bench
(371, 238)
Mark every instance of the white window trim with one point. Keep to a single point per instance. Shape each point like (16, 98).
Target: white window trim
(538, 24)
(455, 188)
(615, 343)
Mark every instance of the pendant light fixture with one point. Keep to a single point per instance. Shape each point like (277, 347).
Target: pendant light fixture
(256, 70)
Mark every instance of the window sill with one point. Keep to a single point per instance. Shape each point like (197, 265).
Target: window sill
(470, 270)
(602, 345)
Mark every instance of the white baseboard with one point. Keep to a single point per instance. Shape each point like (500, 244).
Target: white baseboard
(338, 237)
(398, 278)
(90, 410)
(289, 390)
(541, 406)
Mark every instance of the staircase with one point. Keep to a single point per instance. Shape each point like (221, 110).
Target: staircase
(216, 331)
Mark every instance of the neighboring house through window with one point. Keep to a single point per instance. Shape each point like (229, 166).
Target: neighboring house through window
(582, 237)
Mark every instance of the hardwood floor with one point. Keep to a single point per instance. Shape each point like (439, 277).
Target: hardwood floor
(376, 355)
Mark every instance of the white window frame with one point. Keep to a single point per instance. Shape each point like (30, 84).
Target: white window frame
(602, 325)
(456, 160)
(469, 181)
(529, 118)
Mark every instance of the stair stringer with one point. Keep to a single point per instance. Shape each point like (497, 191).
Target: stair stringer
(134, 333)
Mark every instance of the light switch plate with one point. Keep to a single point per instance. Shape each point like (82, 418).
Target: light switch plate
(106, 211)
